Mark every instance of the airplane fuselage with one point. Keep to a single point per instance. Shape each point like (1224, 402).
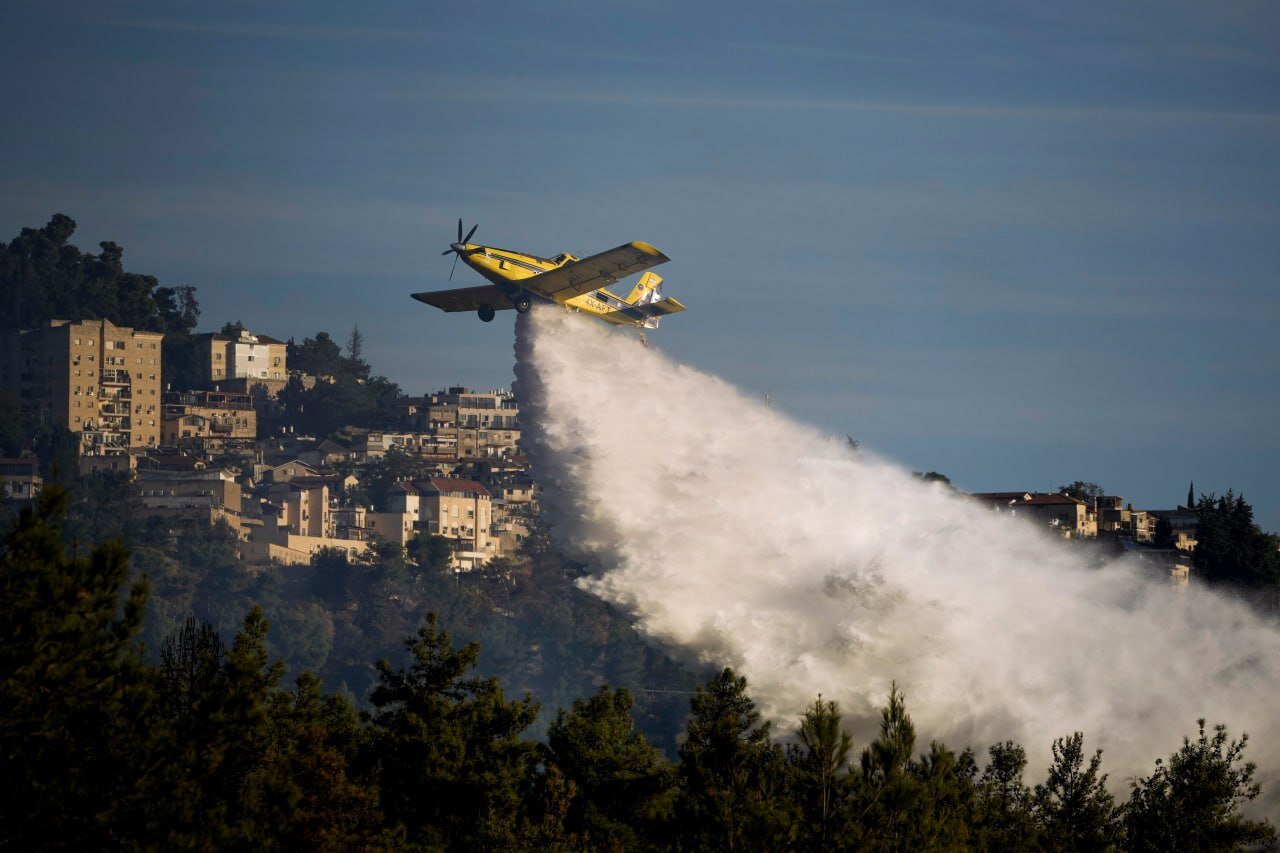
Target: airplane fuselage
(517, 279)
(503, 266)
(507, 268)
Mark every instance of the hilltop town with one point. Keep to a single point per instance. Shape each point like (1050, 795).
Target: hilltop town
(203, 455)
(199, 456)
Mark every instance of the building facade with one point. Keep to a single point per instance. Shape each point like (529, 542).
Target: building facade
(208, 420)
(99, 380)
(456, 509)
(221, 358)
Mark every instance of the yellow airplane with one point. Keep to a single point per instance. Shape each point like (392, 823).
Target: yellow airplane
(579, 284)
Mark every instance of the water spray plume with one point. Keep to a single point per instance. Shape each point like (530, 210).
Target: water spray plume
(740, 537)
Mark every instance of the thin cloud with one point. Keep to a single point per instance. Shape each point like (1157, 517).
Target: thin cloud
(924, 109)
(292, 32)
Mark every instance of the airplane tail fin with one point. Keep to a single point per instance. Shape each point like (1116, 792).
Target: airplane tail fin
(648, 289)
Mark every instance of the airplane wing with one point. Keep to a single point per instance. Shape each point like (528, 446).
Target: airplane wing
(466, 298)
(597, 271)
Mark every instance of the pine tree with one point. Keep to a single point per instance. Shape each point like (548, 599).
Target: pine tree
(903, 804)
(76, 744)
(446, 748)
(625, 789)
(821, 773)
(1192, 802)
(1230, 548)
(1003, 819)
(1073, 809)
(731, 774)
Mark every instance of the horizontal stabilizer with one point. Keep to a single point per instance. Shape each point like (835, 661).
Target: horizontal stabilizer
(661, 307)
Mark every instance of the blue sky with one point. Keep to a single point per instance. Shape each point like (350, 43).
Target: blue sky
(1019, 244)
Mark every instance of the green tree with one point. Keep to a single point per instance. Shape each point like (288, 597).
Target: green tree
(1230, 548)
(1073, 808)
(179, 311)
(446, 748)
(888, 795)
(821, 780)
(430, 551)
(1081, 491)
(44, 277)
(625, 789)
(1193, 801)
(934, 477)
(1164, 538)
(731, 774)
(355, 354)
(75, 693)
(903, 804)
(1003, 819)
(318, 356)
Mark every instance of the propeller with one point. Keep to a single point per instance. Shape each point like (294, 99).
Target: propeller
(458, 247)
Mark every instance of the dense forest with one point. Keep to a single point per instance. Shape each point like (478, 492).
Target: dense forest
(203, 746)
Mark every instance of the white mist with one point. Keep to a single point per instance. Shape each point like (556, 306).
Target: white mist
(736, 535)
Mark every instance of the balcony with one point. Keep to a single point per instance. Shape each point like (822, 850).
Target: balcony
(116, 377)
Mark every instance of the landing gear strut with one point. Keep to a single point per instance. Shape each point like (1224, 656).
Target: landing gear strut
(485, 313)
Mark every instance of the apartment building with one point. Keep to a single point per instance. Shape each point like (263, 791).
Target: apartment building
(300, 520)
(208, 420)
(471, 423)
(457, 509)
(221, 358)
(197, 497)
(1068, 516)
(99, 380)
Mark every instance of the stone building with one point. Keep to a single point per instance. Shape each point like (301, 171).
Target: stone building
(99, 380)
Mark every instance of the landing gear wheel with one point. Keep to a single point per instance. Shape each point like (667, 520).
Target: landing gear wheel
(485, 312)
(523, 303)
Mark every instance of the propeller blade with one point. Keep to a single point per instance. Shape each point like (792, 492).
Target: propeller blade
(446, 251)
(459, 229)
(467, 239)
(455, 264)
